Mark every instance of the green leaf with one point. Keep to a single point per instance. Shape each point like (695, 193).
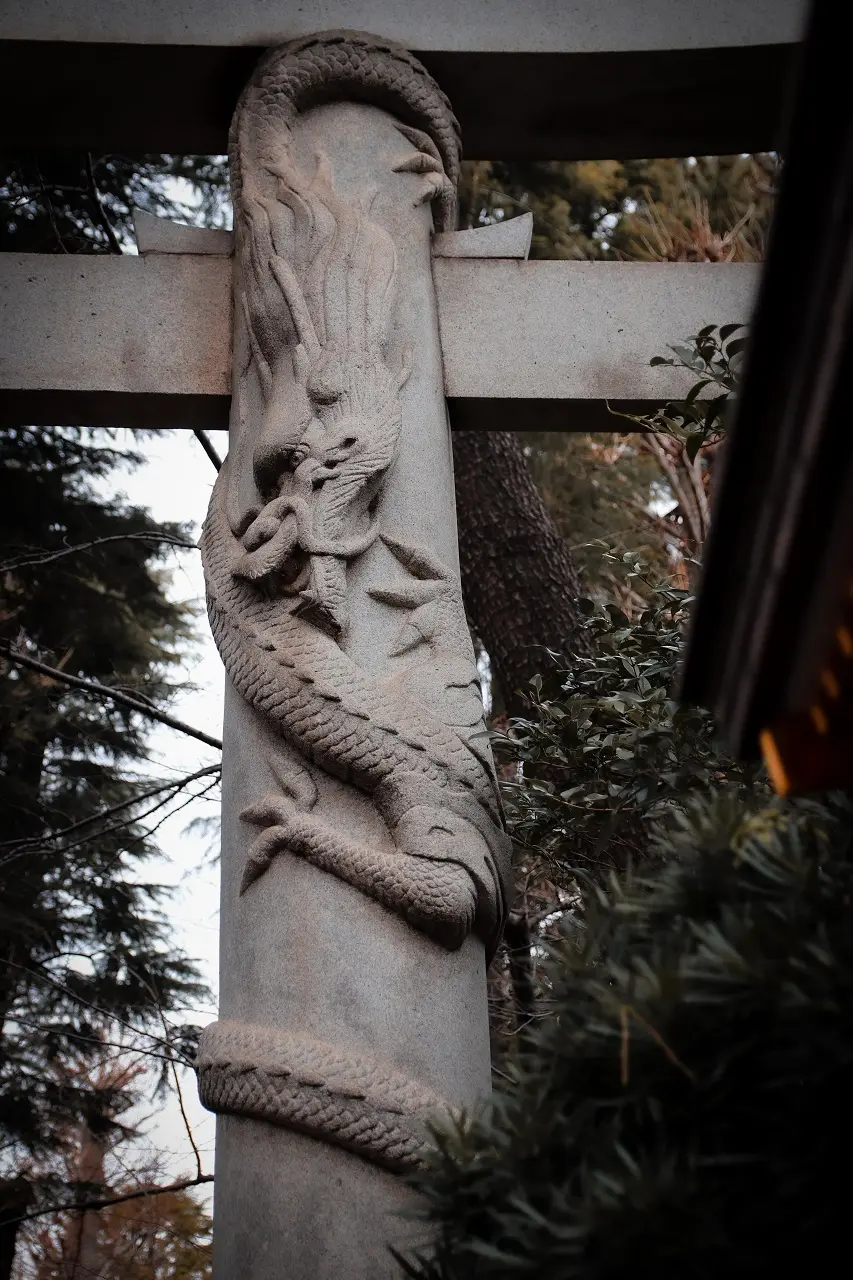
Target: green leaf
(696, 388)
(694, 444)
(728, 329)
(714, 409)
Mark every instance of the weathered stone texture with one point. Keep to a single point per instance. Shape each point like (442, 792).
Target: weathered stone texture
(363, 850)
(543, 330)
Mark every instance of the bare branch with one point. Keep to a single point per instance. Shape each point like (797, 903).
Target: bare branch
(518, 944)
(184, 1115)
(25, 845)
(104, 691)
(51, 212)
(670, 457)
(175, 784)
(77, 1206)
(104, 1013)
(100, 211)
(122, 1050)
(204, 441)
(47, 557)
(156, 998)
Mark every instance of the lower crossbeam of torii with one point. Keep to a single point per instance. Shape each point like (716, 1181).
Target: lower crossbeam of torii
(364, 859)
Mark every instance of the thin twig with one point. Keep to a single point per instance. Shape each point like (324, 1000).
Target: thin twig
(658, 445)
(627, 1011)
(156, 998)
(176, 784)
(50, 212)
(101, 212)
(122, 1050)
(182, 1184)
(104, 691)
(104, 1013)
(197, 795)
(47, 557)
(623, 1046)
(38, 843)
(205, 443)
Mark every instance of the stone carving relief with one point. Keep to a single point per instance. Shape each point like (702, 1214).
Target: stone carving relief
(291, 1080)
(320, 280)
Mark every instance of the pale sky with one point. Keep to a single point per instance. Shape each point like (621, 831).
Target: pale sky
(175, 483)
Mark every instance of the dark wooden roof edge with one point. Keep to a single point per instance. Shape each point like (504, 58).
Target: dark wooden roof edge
(782, 515)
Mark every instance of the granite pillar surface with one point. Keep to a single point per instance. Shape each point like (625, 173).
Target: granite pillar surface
(363, 856)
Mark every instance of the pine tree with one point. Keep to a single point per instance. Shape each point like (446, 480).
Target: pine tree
(163, 1236)
(604, 209)
(147, 1227)
(166, 1237)
(684, 1109)
(85, 953)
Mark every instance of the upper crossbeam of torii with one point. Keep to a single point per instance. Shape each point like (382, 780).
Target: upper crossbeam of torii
(364, 860)
(528, 79)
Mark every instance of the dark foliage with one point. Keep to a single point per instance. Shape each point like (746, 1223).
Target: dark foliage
(73, 202)
(685, 1107)
(606, 747)
(84, 950)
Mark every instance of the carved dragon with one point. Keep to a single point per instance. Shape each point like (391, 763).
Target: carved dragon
(299, 1083)
(318, 421)
(318, 301)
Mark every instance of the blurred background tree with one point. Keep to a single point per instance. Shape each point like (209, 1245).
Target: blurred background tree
(151, 1234)
(612, 488)
(87, 957)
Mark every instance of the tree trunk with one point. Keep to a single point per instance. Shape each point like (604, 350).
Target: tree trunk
(15, 1198)
(81, 1252)
(21, 820)
(519, 581)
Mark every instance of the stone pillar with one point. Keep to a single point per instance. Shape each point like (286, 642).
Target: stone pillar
(363, 852)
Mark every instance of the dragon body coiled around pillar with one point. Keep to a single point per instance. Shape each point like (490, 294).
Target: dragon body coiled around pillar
(346, 66)
(320, 363)
(319, 283)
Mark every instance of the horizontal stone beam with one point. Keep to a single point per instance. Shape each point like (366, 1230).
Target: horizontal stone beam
(577, 330)
(484, 26)
(510, 238)
(536, 79)
(146, 341)
(75, 322)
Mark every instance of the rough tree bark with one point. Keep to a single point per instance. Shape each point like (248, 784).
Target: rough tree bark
(518, 578)
(521, 588)
(81, 1254)
(15, 1198)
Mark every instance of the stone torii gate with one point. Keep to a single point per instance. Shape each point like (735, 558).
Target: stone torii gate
(364, 864)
